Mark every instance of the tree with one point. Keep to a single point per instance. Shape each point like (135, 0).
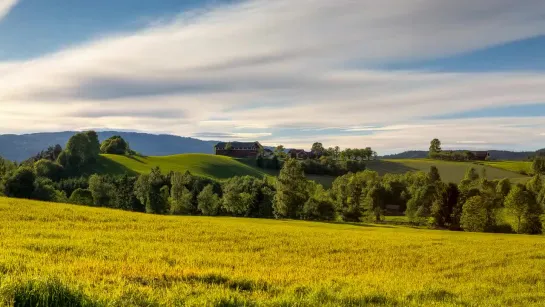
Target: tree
(180, 196)
(102, 190)
(516, 203)
(504, 187)
(474, 215)
(81, 149)
(375, 202)
(317, 149)
(208, 201)
(538, 166)
(435, 147)
(291, 190)
(260, 161)
(433, 174)
(21, 183)
(44, 190)
(319, 206)
(228, 146)
(148, 191)
(48, 169)
(471, 174)
(279, 151)
(115, 145)
(443, 207)
(82, 197)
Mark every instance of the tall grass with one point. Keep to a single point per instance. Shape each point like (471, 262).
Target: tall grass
(66, 255)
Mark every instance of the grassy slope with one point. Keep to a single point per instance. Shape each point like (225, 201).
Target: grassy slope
(450, 171)
(513, 166)
(217, 167)
(122, 258)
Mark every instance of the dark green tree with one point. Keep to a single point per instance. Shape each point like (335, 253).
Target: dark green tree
(115, 145)
(291, 190)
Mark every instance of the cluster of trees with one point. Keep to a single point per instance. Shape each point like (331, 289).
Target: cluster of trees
(437, 153)
(54, 173)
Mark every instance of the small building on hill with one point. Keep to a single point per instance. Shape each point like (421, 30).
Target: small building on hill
(298, 154)
(238, 149)
(481, 155)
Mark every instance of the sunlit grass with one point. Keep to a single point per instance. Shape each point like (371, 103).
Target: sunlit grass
(513, 166)
(92, 256)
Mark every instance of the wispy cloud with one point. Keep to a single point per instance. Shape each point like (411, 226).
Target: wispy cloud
(283, 64)
(6, 6)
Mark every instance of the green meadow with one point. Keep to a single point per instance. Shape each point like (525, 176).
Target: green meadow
(450, 171)
(67, 255)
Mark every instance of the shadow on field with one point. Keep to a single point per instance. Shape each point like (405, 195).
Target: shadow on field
(359, 224)
(384, 167)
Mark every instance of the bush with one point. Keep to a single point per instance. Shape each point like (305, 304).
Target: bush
(82, 197)
(48, 169)
(21, 183)
(319, 209)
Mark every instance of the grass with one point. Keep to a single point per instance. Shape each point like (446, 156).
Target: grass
(450, 171)
(66, 255)
(521, 167)
(211, 166)
(217, 167)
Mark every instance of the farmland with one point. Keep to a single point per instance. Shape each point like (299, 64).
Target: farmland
(450, 171)
(59, 253)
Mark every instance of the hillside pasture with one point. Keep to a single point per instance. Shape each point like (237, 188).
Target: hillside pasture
(450, 171)
(212, 166)
(55, 254)
(520, 167)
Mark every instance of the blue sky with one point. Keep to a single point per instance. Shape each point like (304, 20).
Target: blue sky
(391, 75)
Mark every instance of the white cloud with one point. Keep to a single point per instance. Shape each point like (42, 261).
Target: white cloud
(5, 7)
(282, 64)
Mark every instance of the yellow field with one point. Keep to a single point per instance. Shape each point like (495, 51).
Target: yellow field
(62, 254)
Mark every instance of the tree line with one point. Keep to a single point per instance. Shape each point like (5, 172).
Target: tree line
(474, 204)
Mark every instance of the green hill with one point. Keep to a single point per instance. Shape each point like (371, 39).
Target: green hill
(217, 167)
(450, 171)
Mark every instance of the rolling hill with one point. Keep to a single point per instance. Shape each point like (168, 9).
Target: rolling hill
(450, 171)
(67, 255)
(212, 166)
(494, 155)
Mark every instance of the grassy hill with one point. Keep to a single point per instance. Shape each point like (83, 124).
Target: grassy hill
(60, 255)
(218, 167)
(450, 171)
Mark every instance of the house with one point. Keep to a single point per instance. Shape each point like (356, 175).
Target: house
(481, 155)
(298, 154)
(238, 149)
(267, 153)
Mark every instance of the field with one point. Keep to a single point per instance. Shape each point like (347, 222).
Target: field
(513, 166)
(212, 166)
(56, 254)
(450, 171)
(217, 167)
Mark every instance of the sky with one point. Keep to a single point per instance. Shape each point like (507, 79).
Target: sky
(390, 74)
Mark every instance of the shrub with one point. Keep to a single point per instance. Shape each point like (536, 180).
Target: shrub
(82, 197)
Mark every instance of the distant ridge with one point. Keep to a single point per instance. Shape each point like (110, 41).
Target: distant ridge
(494, 155)
(20, 147)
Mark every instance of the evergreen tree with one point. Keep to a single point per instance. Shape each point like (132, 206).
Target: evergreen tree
(291, 190)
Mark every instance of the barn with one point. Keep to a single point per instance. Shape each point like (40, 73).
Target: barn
(238, 149)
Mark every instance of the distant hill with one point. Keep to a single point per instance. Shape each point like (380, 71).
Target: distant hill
(494, 155)
(21, 147)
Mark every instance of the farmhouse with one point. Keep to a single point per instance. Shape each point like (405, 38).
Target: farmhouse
(481, 155)
(238, 149)
(298, 154)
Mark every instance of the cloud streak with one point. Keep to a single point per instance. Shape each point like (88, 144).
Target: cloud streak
(6, 6)
(283, 65)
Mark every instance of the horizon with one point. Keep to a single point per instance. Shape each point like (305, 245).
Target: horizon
(445, 148)
(391, 76)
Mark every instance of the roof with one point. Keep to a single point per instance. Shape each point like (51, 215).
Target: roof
(268, 150)
(237, 144)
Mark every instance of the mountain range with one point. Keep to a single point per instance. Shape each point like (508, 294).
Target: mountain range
(20, 147)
